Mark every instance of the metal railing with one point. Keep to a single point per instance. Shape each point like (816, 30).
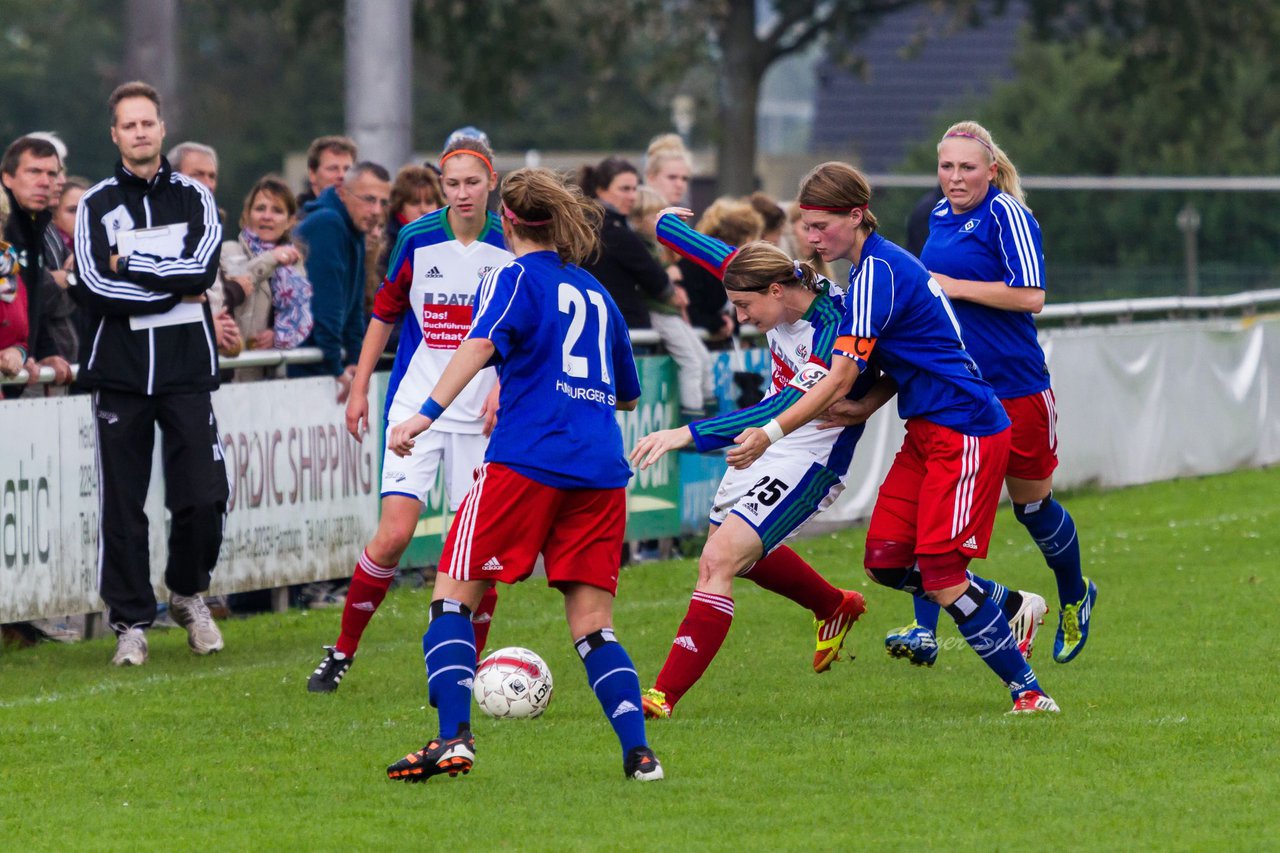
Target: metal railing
(1116, 310)
(1123, 310)
(310, 355)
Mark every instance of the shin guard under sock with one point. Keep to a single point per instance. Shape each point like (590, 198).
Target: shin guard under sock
(786, 573)
(1054, 531)
(449, 652)
(369, 585)
(985, 628)
(482, 618)
(697, 641)
(613, 679)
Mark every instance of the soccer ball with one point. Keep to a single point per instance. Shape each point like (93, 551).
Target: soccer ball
(512, 683)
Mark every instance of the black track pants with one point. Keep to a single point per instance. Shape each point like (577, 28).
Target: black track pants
(195, 478)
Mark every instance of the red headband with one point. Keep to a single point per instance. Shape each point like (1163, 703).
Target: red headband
(833, 209)
(531, 223)
(483, 158)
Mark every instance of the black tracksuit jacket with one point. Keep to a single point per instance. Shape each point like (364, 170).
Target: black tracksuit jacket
(161, 359)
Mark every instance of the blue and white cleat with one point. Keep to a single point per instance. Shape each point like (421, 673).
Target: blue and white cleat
(1073, 625)
(918, 645)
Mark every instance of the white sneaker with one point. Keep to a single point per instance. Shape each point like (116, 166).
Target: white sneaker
(1027, 621)
(131, 648)
(192, 613)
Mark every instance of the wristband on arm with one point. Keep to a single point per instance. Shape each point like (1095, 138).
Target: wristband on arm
(431, 409)
(773, 429)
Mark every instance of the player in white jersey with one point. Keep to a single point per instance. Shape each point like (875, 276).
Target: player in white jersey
(432, 278)
(756, 509)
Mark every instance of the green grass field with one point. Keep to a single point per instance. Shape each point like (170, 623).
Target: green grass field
(1167, 737)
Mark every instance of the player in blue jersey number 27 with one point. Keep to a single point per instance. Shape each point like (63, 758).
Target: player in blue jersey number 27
(555, 462)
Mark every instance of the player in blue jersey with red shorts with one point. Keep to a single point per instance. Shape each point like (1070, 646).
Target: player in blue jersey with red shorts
(984, 249)
(937, 504)
(757, 509)
(555, 463)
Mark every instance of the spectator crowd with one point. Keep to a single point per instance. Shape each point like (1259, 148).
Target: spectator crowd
(301, 269)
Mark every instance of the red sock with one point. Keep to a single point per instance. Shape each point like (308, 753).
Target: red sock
(482, 618)
(369, 585)
(697, 641)
(785, 572)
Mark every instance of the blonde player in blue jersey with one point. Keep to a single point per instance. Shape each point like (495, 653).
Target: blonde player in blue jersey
(936, 507)
(756, 509)
(984, 250)
(554, 476)
(432, 278)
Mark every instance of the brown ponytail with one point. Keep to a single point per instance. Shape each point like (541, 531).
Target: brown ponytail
(539, 206)
(760, 264)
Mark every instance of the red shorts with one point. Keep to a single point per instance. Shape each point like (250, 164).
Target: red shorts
(942, 491)
(1033, 453)
(507, 520)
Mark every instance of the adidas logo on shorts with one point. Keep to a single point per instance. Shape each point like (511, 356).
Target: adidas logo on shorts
(434, 272)
(751, 507)
(685, 642)
(625, 708)
(971, 543)
(491, 565)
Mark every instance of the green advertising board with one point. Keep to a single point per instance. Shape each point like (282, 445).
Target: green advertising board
(653, 497)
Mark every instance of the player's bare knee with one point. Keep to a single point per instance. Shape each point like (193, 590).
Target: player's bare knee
(388, 545)
(718, 564)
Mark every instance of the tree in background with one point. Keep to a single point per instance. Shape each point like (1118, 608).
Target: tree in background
(1143, 88)
(59, 59)
(746, 45)
(552, 74)
(260, 80)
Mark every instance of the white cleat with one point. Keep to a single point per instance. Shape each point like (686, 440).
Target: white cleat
(1027, 621)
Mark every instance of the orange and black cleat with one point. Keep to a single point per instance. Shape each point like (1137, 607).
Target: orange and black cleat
(832, 630)
(453, 756)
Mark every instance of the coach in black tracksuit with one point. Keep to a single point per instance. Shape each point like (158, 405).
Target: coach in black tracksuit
(151, 358)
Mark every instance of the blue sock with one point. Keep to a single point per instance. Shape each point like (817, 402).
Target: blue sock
(926, 613)
(984, 626)
(994, 590)
(449, 651)
(1054, 530)
(613, 679)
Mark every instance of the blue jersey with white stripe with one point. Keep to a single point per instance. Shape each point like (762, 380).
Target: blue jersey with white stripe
(564, 361)
(893, 299)
(999, 240)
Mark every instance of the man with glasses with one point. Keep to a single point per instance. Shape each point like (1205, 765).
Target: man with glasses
(334, 233)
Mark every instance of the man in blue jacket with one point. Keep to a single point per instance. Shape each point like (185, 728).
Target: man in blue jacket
(334, 234)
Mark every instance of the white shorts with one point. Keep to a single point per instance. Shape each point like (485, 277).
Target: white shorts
(779, 493)
(415, 475)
